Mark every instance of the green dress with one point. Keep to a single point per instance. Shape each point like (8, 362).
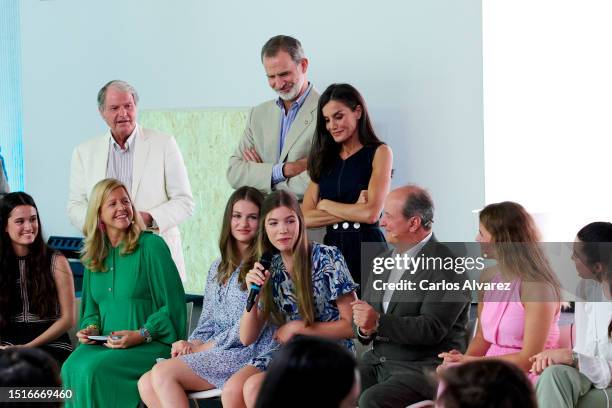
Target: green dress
(139, 289)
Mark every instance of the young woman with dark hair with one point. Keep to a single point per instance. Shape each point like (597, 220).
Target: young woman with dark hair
(584, 373)
(214, 352)
(322, 372)
(350, 169)
(36, 286)
(485, 384)
(306, 290)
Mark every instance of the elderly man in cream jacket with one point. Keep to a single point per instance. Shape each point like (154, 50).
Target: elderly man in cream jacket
(148, 162)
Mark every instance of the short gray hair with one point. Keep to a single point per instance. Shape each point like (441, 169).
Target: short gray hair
(283, 43)
(119, 85)
(419, 203)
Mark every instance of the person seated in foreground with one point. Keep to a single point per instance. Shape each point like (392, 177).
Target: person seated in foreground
(310, 372)
(485, 384)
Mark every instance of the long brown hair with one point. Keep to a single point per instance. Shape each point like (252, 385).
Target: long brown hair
(515, 239)
(230, 255)
(95, 248)
(40, 284)
(302, 263)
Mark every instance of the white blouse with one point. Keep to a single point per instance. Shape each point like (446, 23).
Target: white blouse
(593, 345)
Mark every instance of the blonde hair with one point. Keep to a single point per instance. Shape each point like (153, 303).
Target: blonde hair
(95, 248)
(302, 262)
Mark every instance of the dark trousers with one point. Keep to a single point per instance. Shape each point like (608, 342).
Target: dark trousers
(395, 384)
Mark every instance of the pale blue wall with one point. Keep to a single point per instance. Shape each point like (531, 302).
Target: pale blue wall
(417, 62)
(11, 125)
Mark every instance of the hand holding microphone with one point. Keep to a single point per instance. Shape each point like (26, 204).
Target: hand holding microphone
(257, 277)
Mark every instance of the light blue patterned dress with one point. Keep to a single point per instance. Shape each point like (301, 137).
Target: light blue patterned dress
(330, 280)
(222, 308)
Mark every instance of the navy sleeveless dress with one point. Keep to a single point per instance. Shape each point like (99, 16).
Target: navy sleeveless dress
(343, 183)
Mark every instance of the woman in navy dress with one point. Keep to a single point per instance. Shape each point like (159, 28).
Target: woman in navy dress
(214, 351)
(307, 290)
(350, 169)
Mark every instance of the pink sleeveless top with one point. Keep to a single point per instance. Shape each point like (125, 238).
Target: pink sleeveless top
(503, 321)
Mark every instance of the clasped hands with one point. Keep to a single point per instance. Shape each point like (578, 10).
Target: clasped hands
(126, 338)
(550, 357)
(539, 361)
(182, 347)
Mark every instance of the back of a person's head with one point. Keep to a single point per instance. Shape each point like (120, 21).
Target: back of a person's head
(28, 367)
(308, 372)
(485, 384)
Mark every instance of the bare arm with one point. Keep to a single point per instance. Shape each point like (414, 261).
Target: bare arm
(252, 322)
(378, 188)
(478, 346)
(312, 216)
(65, 295)
(339, 329)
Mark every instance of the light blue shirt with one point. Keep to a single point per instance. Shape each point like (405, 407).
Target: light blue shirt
(287, 119)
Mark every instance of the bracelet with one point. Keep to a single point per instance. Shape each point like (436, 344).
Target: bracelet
(574, 359)
(93, 326)
(145, 334)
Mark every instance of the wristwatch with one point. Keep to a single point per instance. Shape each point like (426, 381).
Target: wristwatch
(146, 335)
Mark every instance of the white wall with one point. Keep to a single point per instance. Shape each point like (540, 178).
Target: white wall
(418, 64)
(547, 110)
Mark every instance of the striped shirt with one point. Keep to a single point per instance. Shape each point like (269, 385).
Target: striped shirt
(287, 119)
(120, 162)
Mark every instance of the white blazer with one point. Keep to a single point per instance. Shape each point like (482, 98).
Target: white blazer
(160, 184)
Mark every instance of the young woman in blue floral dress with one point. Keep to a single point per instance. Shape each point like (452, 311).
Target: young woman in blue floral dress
(214, 351)
(307, 290)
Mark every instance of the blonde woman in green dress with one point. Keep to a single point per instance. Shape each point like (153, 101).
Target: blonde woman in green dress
(132, 293)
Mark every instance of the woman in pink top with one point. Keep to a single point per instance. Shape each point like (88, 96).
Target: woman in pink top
(515, 323)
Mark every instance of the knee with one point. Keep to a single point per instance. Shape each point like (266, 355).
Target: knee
(144, 385)
(251, 390)
(556, 372)
(232, 393)
(371, 397)
(160, 375)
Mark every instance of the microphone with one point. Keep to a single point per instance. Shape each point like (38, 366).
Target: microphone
(265, 261)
